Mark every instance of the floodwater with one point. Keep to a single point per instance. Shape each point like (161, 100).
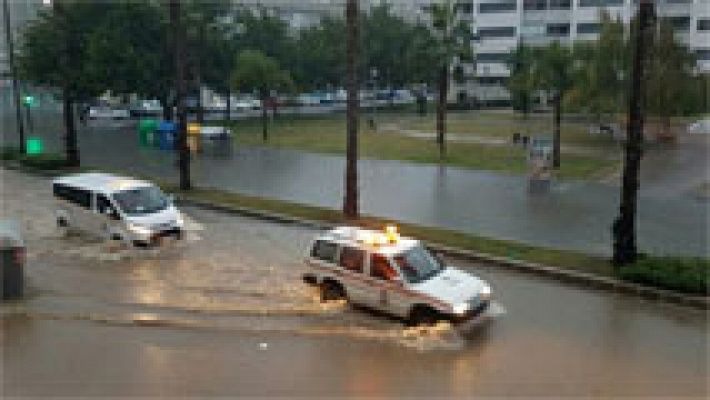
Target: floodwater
(574, 215)
(225, 313)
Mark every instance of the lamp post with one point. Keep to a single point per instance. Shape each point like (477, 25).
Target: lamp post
(13, 73)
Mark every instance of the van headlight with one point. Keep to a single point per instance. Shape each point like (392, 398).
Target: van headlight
(138, 229)
(461, 308)
(179, 221)
(485, 292)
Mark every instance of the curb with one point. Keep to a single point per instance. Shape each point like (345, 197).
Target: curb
(576, 277)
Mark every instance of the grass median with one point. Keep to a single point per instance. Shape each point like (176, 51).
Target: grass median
(326, 134)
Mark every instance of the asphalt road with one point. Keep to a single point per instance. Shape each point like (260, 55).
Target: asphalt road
(225, 313)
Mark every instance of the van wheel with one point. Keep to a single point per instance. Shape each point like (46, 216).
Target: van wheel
(330, 290)
(423, 316)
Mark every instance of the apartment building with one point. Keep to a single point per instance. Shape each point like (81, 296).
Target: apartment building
(501, 24)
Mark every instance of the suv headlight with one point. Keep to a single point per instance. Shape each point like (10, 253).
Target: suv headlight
(179, 221)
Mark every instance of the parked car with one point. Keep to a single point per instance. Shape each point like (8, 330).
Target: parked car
(106, 112)
(145, 108)
(701, 126)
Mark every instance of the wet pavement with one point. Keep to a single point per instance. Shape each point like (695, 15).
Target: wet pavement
(574, 215)
(225, 313)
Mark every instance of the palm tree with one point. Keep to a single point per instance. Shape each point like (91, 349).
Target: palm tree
(453, 37)
(255, 71)
(554, 71)
(350, 202)
(179, 54)
(624, 228)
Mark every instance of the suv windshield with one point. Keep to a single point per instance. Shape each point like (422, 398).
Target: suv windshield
(143, 200)
(418, 265)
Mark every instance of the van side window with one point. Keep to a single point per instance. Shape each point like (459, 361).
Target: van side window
(352, 259)
(380, 268)
(324, 250)
(79, 197)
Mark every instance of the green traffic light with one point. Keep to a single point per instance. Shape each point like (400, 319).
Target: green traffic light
(28, 100)
(34, 146)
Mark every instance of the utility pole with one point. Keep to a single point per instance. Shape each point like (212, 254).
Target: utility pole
(624, 227)
(180, 88)
(13, 72)
(350, 203)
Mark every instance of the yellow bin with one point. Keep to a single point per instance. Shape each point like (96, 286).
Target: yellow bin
(193, 137)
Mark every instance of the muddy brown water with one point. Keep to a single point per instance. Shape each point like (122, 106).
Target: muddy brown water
(225, 313)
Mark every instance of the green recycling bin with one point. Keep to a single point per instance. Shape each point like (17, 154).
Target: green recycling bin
(146, 132)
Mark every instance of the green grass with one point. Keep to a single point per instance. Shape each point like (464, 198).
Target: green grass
(327, 135)
(44, 161)
(689, 275)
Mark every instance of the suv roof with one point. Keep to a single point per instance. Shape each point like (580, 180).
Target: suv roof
(375, 241)
(101, 182)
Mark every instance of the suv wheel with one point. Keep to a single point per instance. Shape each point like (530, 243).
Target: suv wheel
(423, 316)
(330, 290)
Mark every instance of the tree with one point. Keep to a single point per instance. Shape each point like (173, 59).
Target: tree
(670, 75)
(13, 71)
(522, 83)
(320, 55)
(350, 202)
(453, 44)
(54, 54)
(600, 80)
(553, 70)
(178, 32)
(255, 71)
(624, 227)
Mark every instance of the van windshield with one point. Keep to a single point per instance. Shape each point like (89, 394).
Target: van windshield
(418, 264)
(143, 200)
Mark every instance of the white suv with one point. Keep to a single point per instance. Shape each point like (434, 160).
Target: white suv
(398, 275)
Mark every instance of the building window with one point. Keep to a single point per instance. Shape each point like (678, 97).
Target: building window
(557, 30)
(600, 3)
(560, 4)
(490, 8)
(491, 80)
(531, 5)
(493, 58)
(704, 24)
(680, 23)
(702, 54)
(679, 1)
(587, 28)
(496, 32)
(465, 7)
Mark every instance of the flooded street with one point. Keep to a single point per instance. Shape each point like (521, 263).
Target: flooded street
(225, 313)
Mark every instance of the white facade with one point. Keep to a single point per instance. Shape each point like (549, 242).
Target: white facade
(501, 24)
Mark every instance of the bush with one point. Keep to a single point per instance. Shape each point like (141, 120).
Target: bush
(688, 275)
(47, 161)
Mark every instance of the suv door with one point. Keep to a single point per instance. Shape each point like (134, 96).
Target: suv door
(388, 291)
(352, 265)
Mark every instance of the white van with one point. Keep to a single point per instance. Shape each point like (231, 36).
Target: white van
(116, 208)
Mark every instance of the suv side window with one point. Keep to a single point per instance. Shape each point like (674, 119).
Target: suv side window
(352, 259)
(102, 204)
(380, 268)
(324, 250)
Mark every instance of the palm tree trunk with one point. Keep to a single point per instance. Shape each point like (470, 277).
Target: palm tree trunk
(264, 115)
(13, 72)
(556, 135)
(228, 109)
(200, 108)
(180, 86)
(350, 202)
(70, 137)
(624, 227)
(441, 111)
